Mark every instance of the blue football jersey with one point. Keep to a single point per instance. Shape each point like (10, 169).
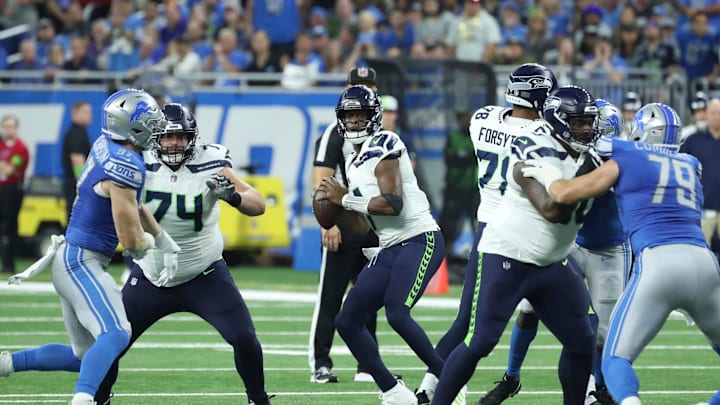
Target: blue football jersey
(602, 227)
(658, 193)
(91, 223)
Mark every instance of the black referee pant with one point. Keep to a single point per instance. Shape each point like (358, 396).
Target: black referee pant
(11, 196)
(337, 270)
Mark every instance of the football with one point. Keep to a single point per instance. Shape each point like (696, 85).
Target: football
(325, 211)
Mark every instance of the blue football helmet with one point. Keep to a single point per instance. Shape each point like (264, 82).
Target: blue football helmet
(180, 121)
(656, 123)
(573, 115)
(611, 121)
(530, 85)
(133, 116)
(359, 99)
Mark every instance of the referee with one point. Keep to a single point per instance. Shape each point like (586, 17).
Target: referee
(342, 257)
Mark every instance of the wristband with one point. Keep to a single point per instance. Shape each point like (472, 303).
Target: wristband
(235, 200)
(355, 203)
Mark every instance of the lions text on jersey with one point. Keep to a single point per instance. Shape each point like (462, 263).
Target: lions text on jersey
(95, 229)
(182, 203)
(415, 217)
(516, 229)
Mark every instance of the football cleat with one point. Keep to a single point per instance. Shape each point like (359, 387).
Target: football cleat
(264, 401)
(323, 375)
(6, 365)
(423, 398)
(505, 388)
(398, 395)
(602, 396)
(362, 376)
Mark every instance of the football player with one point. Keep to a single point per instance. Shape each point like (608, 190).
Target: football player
(601, 255)
(523, 249)
(383, 188)
(661, 205)
(493, 130)
(185, 182)
(105, 211)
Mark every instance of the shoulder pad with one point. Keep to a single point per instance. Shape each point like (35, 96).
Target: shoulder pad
(386, 140)
(124, 170)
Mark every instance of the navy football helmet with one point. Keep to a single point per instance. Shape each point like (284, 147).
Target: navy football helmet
(656, 123)
(358, 99)
(574, 117)
(180, 121)
(529, 85)
(611, 121)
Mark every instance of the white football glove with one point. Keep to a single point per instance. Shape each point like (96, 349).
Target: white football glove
(543, 173)
(170, 250)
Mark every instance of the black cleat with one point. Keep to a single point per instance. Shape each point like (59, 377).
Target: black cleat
(422, 398)
(323, 375)
(505, 388)
(602, 396)
(264, 401)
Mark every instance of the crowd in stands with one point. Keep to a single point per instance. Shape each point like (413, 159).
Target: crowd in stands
(301, 38)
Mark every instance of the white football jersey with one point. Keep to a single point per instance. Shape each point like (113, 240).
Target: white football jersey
(493, 131)
(185, 208)
(516, 229)
(415, 217)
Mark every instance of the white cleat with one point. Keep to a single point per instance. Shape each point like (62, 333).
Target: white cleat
(631, 401)
(6, 365)
(398, 395)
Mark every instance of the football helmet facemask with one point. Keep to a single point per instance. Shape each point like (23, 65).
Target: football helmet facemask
(573, 115)
(359, 114)
(180, 122)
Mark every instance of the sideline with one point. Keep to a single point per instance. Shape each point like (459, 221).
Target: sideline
(35, 287)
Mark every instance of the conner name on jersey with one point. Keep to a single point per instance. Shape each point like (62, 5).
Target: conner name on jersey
(383, 144)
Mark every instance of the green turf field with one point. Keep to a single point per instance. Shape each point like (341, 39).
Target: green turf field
(181, 360)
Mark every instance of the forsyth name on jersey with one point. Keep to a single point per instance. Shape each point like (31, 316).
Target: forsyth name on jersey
(493, 131)
(184, 206)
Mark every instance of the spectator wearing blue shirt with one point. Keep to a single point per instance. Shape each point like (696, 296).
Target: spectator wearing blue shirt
(196, 37)
(227, 58)
(396, 39)
(605, 64)
(686, 8)
(698, 49)
(45, 37)
(79, 61)
(510, 24)
(28, 61)
(175, 23)
(280, 19)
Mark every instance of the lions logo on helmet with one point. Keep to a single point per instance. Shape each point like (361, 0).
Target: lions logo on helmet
(180, 122)
(611, 121)
(573, 115)
(359, 114)
(656, 123)
(133, 116)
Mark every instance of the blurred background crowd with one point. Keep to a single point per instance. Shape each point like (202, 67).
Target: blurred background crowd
(605, 39)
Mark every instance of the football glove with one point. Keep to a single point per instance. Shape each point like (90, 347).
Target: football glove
(139, 254)
(224, 189)
(170, 249)
(544, 174)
